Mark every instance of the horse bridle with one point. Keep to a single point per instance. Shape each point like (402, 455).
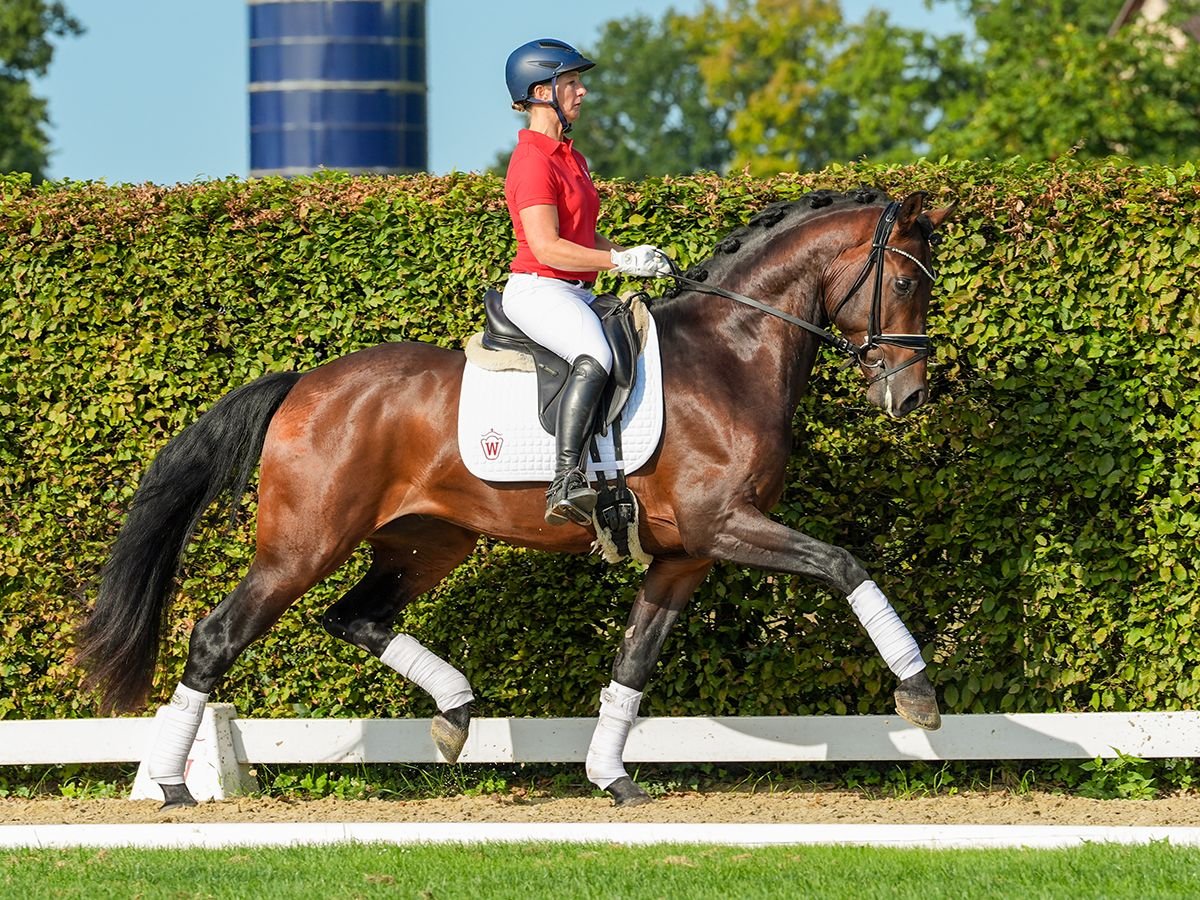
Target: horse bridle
(919, 343)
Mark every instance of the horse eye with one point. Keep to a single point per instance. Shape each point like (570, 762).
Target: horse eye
(904, 286)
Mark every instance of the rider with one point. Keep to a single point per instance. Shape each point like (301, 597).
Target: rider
(554, 208)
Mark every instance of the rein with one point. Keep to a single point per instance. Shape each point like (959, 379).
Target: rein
(875, 338)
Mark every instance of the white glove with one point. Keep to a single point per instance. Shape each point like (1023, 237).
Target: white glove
(641, 262)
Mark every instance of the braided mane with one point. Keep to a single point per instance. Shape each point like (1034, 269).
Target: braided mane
(748, 239)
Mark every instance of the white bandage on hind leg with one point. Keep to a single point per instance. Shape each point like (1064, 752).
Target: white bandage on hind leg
(618, 710)
(447, 686)
(892, 639)
(178, 723)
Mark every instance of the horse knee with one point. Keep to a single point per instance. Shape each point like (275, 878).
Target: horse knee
(845, 570)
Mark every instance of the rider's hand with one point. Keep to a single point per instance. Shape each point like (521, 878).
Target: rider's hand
(641, 262)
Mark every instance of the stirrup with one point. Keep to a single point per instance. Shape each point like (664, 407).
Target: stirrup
(570, 499)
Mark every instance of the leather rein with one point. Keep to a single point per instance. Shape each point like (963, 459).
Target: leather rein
(919, 343)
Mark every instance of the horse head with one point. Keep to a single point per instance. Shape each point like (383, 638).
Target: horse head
(877, 290)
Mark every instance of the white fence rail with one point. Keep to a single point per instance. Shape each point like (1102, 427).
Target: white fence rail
(227, 745)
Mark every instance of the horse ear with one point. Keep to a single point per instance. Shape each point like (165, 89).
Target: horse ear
(912, 214)
(938, 216)
(909, 210)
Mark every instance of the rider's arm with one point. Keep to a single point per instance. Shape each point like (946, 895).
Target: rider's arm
(603, 243)
(541, 231)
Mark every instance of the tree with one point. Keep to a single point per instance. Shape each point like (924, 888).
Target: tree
(887, 88)
(764, 59)
(25, 51)
(808, 89)
(647, 112)
(1050, 81)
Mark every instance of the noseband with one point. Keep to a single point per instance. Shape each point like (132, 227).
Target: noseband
(875, 338)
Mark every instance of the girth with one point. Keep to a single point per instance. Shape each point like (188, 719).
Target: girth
(616, 319)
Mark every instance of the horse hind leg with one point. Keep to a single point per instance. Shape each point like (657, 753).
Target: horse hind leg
(216, 642)
(410, 557)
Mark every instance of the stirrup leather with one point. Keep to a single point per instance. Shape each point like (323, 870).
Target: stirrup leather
(570, 499)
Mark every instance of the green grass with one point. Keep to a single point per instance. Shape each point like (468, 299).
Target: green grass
(528, 871)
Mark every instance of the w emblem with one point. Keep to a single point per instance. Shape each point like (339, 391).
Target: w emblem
(492, 444)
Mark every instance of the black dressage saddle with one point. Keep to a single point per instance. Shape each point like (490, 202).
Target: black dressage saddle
(616, 318)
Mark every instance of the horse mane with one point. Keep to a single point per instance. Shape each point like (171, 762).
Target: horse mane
(747, 240)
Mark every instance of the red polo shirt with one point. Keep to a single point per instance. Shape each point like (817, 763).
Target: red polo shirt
(546, 172)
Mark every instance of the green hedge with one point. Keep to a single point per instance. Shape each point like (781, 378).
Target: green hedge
(1036, 524)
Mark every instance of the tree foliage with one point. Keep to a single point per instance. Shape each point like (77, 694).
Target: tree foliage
(673, 128)
(790, 85)
(809, 89)
(26, 27)
(1051, 80)
(1037, 524)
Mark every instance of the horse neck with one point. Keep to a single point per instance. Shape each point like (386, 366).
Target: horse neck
(752, 356)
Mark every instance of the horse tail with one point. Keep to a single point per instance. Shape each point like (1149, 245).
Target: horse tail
(119, 642)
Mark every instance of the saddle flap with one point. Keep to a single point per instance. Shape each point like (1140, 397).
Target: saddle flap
(616, 320)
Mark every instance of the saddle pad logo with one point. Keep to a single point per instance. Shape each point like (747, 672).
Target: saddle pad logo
(492, 443)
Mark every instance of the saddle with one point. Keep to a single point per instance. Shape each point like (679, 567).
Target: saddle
(616, 318)
(616, 508)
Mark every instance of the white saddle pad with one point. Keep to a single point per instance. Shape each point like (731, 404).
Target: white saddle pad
(501, 439)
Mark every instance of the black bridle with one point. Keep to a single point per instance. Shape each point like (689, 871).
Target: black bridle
(919, 343)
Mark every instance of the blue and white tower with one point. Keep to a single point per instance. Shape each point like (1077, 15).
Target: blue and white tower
(338, 84)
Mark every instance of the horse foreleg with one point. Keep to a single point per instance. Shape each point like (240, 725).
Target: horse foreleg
(749, 538)
(410, 557)
(668, 586)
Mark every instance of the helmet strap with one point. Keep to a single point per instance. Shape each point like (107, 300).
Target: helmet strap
(553, 104)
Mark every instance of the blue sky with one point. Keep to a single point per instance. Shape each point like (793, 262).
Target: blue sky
(156, 89)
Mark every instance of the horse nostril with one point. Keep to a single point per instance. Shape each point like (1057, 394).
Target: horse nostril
(913, 401)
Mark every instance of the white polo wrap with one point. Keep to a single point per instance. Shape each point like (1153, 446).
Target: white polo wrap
(447, 686)
(893, 641)
(177, 726)
(618, 710)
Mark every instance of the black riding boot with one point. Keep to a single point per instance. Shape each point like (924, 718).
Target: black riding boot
(570, 498)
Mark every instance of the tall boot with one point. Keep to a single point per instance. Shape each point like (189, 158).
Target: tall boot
(570, 498)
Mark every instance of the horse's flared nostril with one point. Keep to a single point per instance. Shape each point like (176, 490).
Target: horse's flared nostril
(915, 400)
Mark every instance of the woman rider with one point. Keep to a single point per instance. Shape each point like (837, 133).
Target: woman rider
(554, 207)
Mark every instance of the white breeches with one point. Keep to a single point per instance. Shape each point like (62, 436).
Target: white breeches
(558, 316)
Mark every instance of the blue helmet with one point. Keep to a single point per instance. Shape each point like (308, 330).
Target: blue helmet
(540, 61)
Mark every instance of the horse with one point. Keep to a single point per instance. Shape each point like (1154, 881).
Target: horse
(363, 449)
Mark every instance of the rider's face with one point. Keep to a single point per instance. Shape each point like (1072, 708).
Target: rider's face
(571, 91)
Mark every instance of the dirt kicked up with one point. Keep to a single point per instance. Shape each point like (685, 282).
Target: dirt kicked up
(979, 808)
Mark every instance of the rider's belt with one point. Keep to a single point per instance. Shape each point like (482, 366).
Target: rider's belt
(574, 282)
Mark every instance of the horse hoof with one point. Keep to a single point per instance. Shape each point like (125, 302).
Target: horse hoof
(916, 702)
(626, 793)
(449, 731)
(176, 796)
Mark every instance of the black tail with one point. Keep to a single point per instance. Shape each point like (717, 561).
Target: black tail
(119, 642)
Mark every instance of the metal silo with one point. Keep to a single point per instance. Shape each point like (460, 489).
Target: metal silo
(338, 84)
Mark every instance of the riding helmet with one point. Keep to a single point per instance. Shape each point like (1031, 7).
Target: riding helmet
(540, 61)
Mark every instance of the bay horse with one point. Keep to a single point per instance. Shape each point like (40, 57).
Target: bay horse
(365, 448)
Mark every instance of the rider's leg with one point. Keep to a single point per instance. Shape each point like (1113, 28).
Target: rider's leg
(570, 497)
(558, 316)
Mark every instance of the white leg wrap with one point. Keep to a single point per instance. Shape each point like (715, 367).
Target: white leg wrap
(445, 684)
(178, 724)
(618, 709)
(892, 639)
